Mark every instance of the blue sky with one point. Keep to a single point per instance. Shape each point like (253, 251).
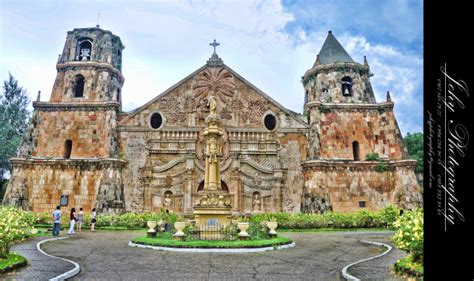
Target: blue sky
(270, 43)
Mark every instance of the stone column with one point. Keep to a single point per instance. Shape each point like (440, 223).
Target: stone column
(188, 204)
(277, 183)
(237, 186)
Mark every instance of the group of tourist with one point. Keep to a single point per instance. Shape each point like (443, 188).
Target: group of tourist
(74, 220)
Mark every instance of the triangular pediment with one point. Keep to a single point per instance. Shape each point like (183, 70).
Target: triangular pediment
(240, 103)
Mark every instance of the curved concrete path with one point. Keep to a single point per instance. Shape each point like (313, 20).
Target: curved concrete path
(317, 256)
(40, 266)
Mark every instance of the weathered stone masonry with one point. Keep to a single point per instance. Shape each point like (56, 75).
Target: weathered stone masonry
(81, 145)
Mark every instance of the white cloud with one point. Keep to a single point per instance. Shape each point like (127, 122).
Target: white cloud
(167, 41)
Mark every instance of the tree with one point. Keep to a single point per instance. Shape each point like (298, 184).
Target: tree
(414, 144)
(14, 117)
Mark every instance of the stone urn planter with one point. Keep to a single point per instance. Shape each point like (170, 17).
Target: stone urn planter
(151, 231)
(272, 225)
(34, 231)
(161, 225)
(179, 225)
(243, 226)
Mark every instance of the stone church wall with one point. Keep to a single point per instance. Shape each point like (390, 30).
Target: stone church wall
(352, 185)
(38, 184)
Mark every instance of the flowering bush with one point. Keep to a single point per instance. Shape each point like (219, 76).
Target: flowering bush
(15, 225)
(409, 234)
(134, 220)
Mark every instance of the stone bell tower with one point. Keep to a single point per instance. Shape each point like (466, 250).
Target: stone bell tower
(356, 155)
(70, 153)
(89, 68)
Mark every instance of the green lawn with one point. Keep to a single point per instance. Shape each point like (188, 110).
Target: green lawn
(11, 262)
(167, 242)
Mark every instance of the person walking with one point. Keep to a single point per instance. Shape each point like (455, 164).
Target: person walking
(72, 221)
(80, 218)
(56, 221)
(93, 219)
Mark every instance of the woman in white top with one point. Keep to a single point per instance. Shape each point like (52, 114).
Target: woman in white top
(72, 221)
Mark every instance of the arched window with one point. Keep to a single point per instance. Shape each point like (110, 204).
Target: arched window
(355, 150)
(79, 86)
(224, 186)
(85, 49)
(118, 95)
(346, 86)
(67, 149)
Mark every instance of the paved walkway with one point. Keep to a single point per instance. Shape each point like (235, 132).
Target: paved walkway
(40, 267)
(317, 256)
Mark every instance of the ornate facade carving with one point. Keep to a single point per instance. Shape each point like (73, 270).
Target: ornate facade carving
(118, 162)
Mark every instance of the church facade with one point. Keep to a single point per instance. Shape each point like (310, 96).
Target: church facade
(344, 153)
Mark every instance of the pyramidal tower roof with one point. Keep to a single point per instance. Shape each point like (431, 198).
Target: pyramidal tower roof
(332, 51)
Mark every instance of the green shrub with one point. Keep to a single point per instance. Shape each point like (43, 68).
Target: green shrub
(409, 233)
(11, 262)
(406, 266)
(372, 157)
(15, 225)
(324, 109)
(381, 167)
(383, 218)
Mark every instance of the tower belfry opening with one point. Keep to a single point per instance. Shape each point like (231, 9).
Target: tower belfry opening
(85, 49)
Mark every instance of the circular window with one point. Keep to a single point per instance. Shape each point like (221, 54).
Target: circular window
(270, 122)
(156, 120)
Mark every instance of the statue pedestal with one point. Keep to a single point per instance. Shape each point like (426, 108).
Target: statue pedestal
(212, 215)
(212, 207)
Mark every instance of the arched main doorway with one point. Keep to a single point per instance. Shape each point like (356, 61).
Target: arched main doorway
(224, 186)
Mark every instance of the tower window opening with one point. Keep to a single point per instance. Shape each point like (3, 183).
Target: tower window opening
(85, 49)
(118, 95)
(346, 86)
(355, 150)
(67, 149)
(79, 86)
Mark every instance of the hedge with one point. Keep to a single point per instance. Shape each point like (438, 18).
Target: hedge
(383, 218)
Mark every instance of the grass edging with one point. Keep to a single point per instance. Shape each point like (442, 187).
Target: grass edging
(13, 261)
(238, 244)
